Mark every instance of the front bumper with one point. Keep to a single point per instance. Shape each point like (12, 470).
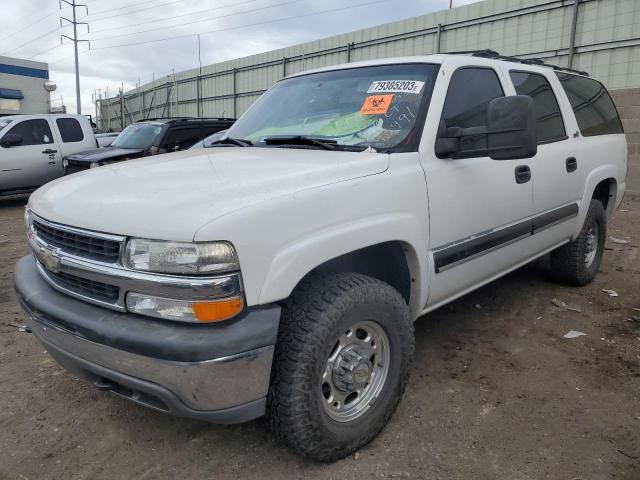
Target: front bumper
(218, 373)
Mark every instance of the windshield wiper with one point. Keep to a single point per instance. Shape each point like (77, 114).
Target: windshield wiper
(326, 143)
(238, 142)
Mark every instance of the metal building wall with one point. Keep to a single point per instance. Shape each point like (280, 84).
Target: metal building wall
(606, 43)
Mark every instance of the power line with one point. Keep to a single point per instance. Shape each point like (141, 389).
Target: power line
(288, 2)
(108, 10)
(173, 17)
(43, 52)
(241, 26)
(13, 34)
(294, 17)
(57, 29)
(155, 5)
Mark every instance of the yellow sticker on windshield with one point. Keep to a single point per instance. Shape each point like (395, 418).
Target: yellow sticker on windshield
(376, 104)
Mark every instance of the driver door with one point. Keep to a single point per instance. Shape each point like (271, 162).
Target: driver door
(476, 204)
(35, 161)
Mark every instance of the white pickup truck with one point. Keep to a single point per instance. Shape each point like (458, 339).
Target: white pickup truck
(32, 148)
(280, 271)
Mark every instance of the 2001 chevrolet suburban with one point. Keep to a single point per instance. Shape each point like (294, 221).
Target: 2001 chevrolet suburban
(282, 274)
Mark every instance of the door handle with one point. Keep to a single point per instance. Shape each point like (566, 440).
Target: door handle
(49, 151)
(523, 174)
(572, 164)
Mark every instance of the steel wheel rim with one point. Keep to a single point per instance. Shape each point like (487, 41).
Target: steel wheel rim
(355, 372)
(592, 243)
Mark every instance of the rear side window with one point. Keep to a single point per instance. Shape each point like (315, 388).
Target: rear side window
(70, 130)
(549, 124)
(594, 109)
(33, 132)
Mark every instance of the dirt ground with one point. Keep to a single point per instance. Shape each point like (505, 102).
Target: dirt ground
(496, 393)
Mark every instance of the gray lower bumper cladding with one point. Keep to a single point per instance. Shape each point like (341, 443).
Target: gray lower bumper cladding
(218, 373)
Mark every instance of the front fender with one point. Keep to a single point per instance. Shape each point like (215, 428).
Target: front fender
(296, 259)
(282, 239)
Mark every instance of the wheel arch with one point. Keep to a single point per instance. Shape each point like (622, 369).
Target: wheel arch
(601, 184)
(395, 262)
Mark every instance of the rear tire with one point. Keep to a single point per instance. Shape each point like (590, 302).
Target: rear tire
(341, 365)
(577, 263)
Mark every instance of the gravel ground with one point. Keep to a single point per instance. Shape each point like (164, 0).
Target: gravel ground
(496, 393)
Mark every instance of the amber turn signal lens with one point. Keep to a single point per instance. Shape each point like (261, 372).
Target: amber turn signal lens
(218, 311)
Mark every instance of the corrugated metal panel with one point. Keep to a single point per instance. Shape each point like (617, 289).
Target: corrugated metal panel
(607, 45)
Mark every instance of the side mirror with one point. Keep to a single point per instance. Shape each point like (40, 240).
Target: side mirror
(11, 140)
(509, 133)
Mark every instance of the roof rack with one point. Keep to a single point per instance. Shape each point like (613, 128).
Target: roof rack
(487, 53)
(182, 119)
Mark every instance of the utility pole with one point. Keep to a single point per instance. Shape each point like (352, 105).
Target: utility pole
(100, 112)
(75, 23)
(121, 109)
(94, 100)
(199, 83)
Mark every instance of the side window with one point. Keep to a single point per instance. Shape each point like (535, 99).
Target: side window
(549, 124)
(469, 94)
(470, 91)
(70, 130)
(595, 112)
(33, 132)
(183, 138)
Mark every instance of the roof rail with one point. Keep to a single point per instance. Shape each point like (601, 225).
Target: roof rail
(154, 119)
(487, 53)
(182, 119)
(210, 118)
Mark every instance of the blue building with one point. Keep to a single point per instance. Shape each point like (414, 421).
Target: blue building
(22, 86)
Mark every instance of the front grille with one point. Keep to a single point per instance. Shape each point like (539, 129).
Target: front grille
(89, 288)
(73, 243)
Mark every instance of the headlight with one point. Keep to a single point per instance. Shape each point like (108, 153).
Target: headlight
(94, 164)
(180, 257)
(65, 163)
(27, 217)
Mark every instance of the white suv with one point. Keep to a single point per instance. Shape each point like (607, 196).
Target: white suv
(32, 148)
(280, 271)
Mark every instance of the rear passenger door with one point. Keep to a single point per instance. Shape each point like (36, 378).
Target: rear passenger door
(477, 206)
(597, 135)
(554, 169)
(72, 137)
(35, 161)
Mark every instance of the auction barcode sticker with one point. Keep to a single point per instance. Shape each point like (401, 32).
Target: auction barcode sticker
(396, 86)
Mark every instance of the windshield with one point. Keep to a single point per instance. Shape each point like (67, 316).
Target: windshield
(138, 135)
(4, 122)
(376, 107)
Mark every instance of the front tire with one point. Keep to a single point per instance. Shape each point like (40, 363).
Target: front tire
(342, 360)
(578, 262)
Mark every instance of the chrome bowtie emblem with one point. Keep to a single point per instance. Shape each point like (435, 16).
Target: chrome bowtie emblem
(49, 259)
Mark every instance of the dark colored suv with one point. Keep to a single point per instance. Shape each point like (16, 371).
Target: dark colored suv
(148, 137)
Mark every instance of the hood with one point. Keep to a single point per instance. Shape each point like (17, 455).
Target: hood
(106, 153)
(171, 196)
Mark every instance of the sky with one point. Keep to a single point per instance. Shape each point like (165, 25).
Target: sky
(132, 41)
